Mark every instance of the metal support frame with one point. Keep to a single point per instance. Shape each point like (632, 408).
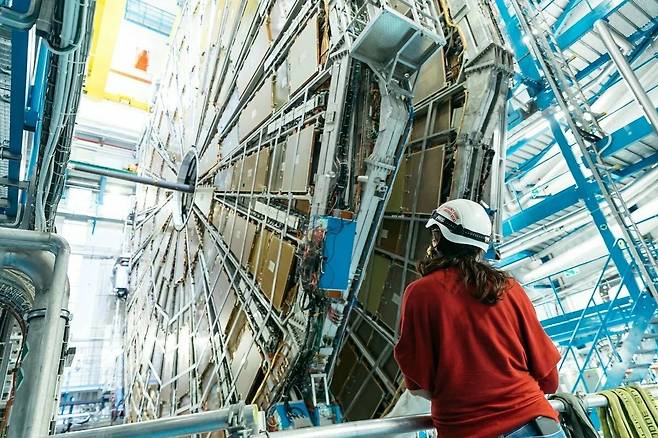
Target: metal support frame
(38, 391)
(627, 73)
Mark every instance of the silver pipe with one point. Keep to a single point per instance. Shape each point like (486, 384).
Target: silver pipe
(415, 423)
(627, 73)
(38, 391)
(117, 174)
(368, 428)
(220, 419)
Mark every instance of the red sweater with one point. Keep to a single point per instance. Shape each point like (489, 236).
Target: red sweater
(485, 366)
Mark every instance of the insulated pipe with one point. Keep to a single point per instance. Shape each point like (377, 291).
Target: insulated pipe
(37, 266)
(35, 396)
(627, 73)
(127, 176)
(209, 421)
(395, 425)
(220, 420)
(21, 20)
(368, 428)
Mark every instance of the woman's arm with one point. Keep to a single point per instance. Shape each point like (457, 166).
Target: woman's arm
(541, 354)
(550, 382)
(416, 350)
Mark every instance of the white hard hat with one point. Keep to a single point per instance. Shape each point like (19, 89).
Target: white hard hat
(463, 221)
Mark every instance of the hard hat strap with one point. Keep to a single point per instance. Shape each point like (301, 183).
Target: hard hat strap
(458, 229)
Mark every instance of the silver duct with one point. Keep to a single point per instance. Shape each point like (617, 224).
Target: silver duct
(23, 251)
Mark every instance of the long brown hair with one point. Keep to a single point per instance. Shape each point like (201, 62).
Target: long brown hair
(485, 283)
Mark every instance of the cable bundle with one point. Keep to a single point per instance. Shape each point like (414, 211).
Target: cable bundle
(631, 413)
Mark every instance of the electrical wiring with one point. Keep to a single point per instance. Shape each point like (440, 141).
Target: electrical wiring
(63, 83)
(55, 154)
(80, 30)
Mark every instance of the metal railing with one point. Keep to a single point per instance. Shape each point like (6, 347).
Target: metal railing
(222, 419)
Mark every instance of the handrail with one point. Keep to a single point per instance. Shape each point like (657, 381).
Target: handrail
(219, 420)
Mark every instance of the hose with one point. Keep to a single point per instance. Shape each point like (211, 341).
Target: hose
(80, 31)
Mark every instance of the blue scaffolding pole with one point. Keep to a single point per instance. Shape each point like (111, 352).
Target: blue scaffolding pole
(640, 315)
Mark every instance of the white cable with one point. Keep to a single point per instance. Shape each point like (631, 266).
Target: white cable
(65, 78)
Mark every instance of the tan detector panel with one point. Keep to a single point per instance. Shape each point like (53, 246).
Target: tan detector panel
(272, 272)
(373, 284)
(257, 110)
(248, 173)
(262, 170)
(258, 49)
(392, 236)
(303, 55)
(431, 77)
(259, 252)
(297, 162)
(236, 173)
(246, 363)
(223, 179)
(426, 187)
(241, 238)
(397, 191)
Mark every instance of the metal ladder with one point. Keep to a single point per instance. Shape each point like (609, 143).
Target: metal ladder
(586, 132)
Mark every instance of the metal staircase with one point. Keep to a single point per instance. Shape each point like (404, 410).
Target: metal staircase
(630, 351)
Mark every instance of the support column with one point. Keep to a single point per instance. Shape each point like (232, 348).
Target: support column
(628, 74)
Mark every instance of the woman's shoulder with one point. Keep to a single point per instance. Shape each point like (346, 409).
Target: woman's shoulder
(433, 280)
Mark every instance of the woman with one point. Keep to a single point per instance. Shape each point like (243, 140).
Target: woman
(470, 340)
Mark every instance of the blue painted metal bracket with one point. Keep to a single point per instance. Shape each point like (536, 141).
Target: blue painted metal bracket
(36, 95)
(337, 250)
(541, 210)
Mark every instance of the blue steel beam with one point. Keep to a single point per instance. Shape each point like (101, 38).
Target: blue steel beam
(19, 43)
(644, 163)
(560, 328)
(583, 26)
(528, 164)
(514, 258)
(566, 12)
(541, 210)
(544, 97)
(624, 137)
(588, 193)
(529, 70)
(631, 57)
